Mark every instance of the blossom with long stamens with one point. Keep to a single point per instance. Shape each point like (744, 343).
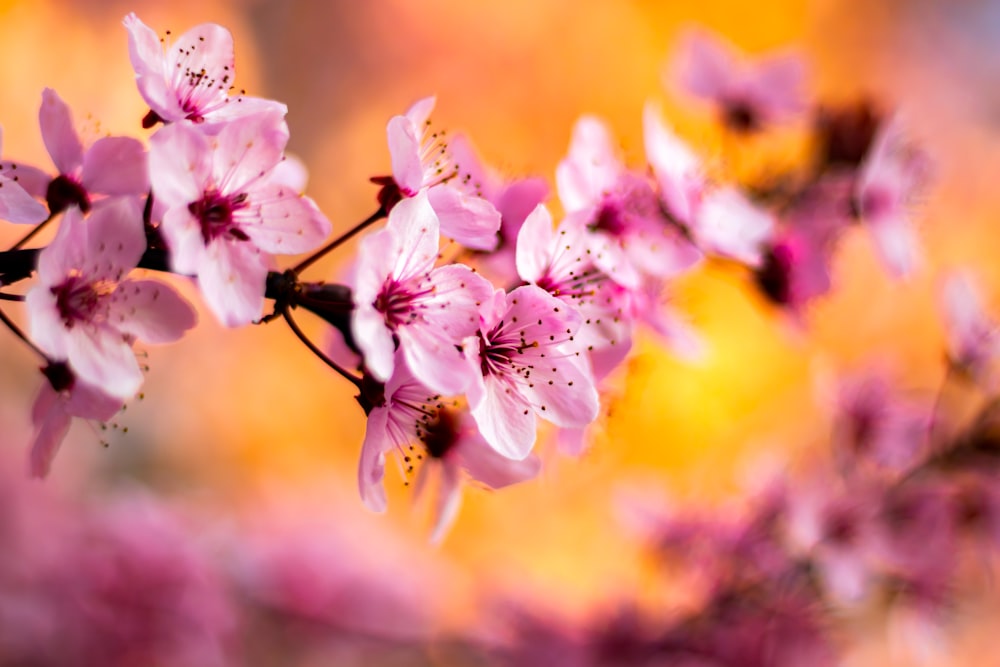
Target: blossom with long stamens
(528, 365)
(398, 294)
(192, 79)
(112, 166)
(421, 162)
(558, 261)
(629, 234)
(227, 209)
(84, 310)
(418, 424)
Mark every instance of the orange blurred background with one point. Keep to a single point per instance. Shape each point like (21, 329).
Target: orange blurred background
(245, 421)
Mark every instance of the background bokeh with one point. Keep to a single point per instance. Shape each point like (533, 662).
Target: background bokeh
(245, 423)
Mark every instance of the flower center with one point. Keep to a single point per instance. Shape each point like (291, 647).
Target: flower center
(398, 304)
(78, 300)
(610, 219)
(63, 192)
(215, 212)
(440, 434)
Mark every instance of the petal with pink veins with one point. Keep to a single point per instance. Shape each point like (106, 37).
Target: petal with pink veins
(286, 222)
(115, 166)
(232, 278)
(472, 221)
(151, 310)
(505, 419)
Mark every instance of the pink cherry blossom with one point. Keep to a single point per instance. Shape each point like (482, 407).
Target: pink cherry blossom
(421, 161)
(629, 234)
(972, 336)
(85, 310)
(729, 225)
(62, 397)
(889, 181)
(748, 95)
(528, 367)
(399, 294)
(110, 166)
(225, 211)
(557, 261)
(16, 202)
(191, 79)
(449, 443)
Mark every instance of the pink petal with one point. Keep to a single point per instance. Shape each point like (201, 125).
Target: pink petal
(534, 245)
(705, 66)
(45, 326)
(100, 357)
(116, 238)
(287, 222)
(371, 469)
(592, 167)
(414, 227)
(66, 251)
(89, 402)
(207, 49)
(51, 424)
(517, 200)
(472, 221)
(151, 310)
(474, 176)
(449, 499)
(729, 225)
(146, 55)
(231, 277)
(17, 206)
(542, 314)
(374, 340)
(485, 465)
(34, 180)
(420, 111)
(896, 244)
(182, 233)
(569, 398)
(58, 133)
(677, 169)
(778, 84)
(179, 164)
(291, 171)
(115, 166)
(505, 420)
(404, 152)
(229, 109)
(246, 149)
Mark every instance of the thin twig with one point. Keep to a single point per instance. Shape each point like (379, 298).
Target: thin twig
(20, 334)
(350, 377)
(309, 261)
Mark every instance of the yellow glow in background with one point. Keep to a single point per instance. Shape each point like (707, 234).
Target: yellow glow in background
(247, 419)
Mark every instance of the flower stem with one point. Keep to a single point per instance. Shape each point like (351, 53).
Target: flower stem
(350, 377)
(309, 261)
(30, 235)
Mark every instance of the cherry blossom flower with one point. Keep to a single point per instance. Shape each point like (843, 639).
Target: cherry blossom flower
(526, 368)
(629, 233)
(191, 79)
(114, 166)
(16, 202)
(413, 416)
(748, 96)
(85, 311)
(729, 225)
(892, 176)
(225, 211)
(62, 397)
(398, 293)
(678, 171)
(972, 337)
(421, 161)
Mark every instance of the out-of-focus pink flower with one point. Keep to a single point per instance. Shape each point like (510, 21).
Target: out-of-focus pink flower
(398, 293)
(972, 337)
(226, 214)
(889, 181)
(421, 162)
(190, 80)
(113, 166)
(629, 235)
(62, 397)
(748, 95)
(876, 426)
(16, 202)
(526, 367)
(85, 311)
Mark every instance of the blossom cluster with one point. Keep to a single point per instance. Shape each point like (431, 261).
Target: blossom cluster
(481, 309)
